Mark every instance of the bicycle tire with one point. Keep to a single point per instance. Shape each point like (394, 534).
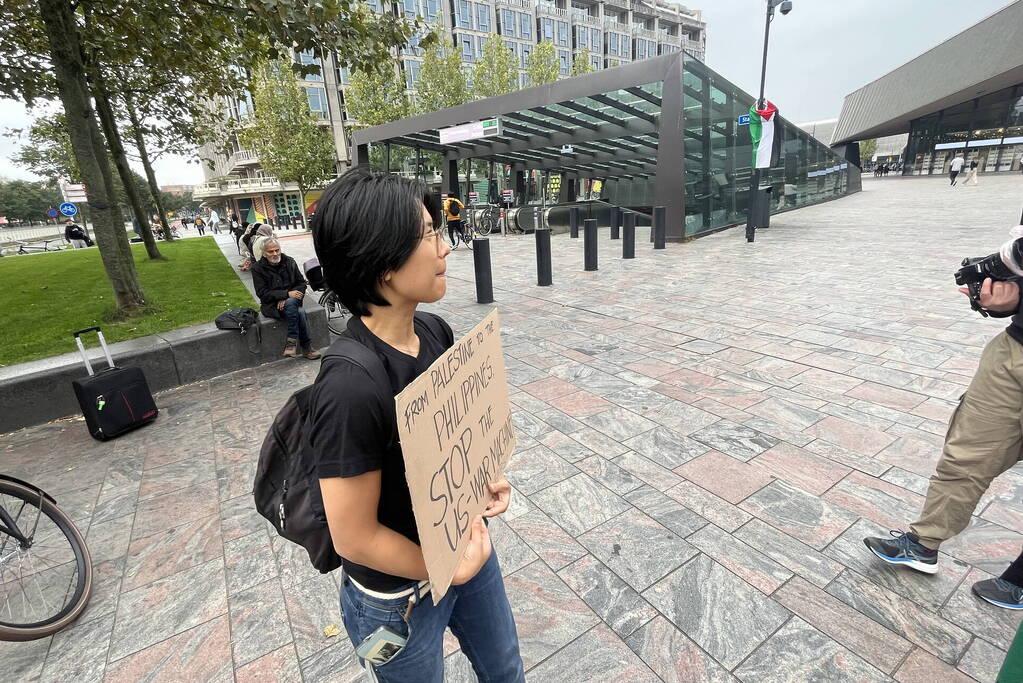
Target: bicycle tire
(468, 238)
(487, 224)
(336, 313)
(74, 607)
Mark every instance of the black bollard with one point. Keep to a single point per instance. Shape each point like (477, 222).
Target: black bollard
(629, 243)
(481, 264)
(590, 244)
(616, 222)
(544, 273)
(658, 227)
(573, 222)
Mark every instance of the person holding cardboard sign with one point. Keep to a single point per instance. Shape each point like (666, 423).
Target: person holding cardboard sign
(376, 238)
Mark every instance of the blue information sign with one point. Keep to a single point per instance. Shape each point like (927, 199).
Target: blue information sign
(68, 209)
(744, 120)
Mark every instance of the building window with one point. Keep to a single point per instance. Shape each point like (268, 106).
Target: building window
(343, 75)
(307, 58)
(463, 17)
(562, 33)
(525, 26)
(507, 23)
(318, 102)
(432, 10)
(547, 26)
(482, 17)
(410, 8)
(480, 41)
(376, 5)
(565, 59)
(582, 35)
(412, 73)
(467, 45)
(524, 52)
(595, 40)
(595, 62)
(612, 44)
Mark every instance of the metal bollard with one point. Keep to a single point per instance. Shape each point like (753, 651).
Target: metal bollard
(544, 273)
(658, 227)
(481, 264)
(616, 222)
(629, 243)
(590, 244)
(573, 222)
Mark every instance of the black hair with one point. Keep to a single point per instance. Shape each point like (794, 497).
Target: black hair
(368, 224)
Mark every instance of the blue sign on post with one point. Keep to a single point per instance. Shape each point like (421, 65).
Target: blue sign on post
(743, 120)
(52, 213)
(68, 209)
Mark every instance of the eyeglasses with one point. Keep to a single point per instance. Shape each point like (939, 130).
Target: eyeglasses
(435, 235)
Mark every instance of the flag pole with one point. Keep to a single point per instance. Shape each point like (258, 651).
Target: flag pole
(754, 183)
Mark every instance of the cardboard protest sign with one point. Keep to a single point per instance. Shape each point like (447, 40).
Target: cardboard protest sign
(456, 437)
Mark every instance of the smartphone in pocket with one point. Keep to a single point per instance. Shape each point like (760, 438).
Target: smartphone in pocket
(381, 646)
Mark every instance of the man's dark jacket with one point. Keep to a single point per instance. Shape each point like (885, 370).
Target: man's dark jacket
(273, 282)
(74, 232)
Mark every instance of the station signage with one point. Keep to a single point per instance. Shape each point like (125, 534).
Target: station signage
(473, 130)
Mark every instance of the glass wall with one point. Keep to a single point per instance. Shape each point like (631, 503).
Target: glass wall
(988, 130)
(719, 154)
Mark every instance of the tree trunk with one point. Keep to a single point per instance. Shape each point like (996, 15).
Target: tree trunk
(87, 144)
(140, 143)
(109, 122)
(301, 207)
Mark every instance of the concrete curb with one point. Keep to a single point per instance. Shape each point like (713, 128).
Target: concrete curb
(39, 391)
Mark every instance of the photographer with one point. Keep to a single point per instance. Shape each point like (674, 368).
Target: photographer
(984, 438)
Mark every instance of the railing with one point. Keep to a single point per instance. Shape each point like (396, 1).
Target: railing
(618, 26)
(243, 156)
(524, 4)
(638, 32)
(551, 11)
(580, 17)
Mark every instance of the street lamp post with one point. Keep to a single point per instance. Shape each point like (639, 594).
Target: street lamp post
(754, 190)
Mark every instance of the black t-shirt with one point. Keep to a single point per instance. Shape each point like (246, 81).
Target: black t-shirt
(353, 429)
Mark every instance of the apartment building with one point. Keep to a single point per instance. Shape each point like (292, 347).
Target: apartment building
(611, 32)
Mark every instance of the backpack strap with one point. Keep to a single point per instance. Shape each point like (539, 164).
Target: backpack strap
(351, 349)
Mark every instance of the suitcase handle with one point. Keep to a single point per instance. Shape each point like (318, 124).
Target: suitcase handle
(81, 348)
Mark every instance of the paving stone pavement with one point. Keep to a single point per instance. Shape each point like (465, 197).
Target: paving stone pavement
(705, 435)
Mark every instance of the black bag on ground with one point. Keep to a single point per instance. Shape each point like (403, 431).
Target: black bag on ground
(115, 400)
(242, 319)
(286, 488)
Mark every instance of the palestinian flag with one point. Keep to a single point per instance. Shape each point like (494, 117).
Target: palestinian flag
(766, 133)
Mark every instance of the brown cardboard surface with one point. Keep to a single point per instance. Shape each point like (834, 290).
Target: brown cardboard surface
(456, 434)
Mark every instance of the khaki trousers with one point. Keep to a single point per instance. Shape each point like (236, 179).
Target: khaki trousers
(984, 439)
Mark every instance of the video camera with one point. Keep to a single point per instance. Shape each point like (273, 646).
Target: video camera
(1005, 265)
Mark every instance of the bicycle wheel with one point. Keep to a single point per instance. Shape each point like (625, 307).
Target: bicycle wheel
(336, 312)
(487, 224)
(45, 581)
(468, 236)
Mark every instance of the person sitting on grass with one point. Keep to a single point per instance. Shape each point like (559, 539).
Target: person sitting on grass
(281, 288)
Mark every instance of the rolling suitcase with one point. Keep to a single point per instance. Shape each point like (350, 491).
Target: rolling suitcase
(114, 400)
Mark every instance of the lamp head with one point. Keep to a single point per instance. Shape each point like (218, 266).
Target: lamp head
(786, 6)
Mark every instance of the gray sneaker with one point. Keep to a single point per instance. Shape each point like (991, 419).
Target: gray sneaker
(999, 592)
(904, 549)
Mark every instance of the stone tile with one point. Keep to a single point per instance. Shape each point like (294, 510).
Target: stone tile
(826, 379)
(723, 614)
(666, 447)
(565, 447)
(667, 511)
(759, 571)
(548, 615)
(883, 503)
(927, 591)
(249, 560)
(537, 468)
(789, 552)
(799, 652)
(995, 625)
(106, 588)
(552, 387)
(710, 507)
(637, 548)
(312, 606)
(578, 504)
(982, 660)
(682, 418)
(903, 616)
(292, 561)
(178, 475)
(117, 503)
(109, 540)
(202, 653)
(854, 437)
(787, 413)
(921, 667)
(238, 517)
(167, 607)
(598, 655)
(173, 550)
(334, 664)
(985, 545)
(609, 474)
(599, 443)
(907, 480)
(868, 639)
(236, 480)
(724, 476)
(605, 593)
(647, 471)
(795, 512)
(258, 625)
(808, 471)
(280, 665)
(674, 657)
(78, 653)
(580, 404)
(23, 661)
(618, 423)
(552, 543)
(638, 399)
(738, 441)
(512, 551)
(914, 455)
(861, 463)
(180, 507)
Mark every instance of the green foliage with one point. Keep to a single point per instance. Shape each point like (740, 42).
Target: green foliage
(581, 63)
(496, 73)
(46, 149)
(442, 82)
(283, 131)
(377, 96)
(192, 286)
(177, 203)
(542, 64)
(867, 149)
(26, 200)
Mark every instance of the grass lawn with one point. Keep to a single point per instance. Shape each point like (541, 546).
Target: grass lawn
(48, 296)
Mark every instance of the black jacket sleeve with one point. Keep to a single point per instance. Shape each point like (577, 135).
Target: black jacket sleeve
(295, 277)
(262, 282)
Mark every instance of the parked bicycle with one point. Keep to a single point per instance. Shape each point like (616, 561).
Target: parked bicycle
(485, 218)
(336, 311)
(463, 235)
(45, 566)
(34, 248)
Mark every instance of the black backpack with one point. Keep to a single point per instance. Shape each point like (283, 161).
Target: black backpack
(242, 319)
(286, 489)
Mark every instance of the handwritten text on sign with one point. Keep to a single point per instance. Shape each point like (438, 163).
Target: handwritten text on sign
(456, 436)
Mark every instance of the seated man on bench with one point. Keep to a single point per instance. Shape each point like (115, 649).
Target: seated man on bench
(281, 288)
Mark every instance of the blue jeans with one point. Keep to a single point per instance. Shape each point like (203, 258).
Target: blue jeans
(298, 325)
(477, 612)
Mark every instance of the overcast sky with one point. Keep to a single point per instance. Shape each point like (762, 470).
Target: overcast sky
(820, 52)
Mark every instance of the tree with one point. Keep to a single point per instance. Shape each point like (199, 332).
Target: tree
(375, 97)
(496, 72)
(442, 82)
(867, 150)
(46, 149)
(26, 200)
(542, 64)
(284, 133)
(581, 63)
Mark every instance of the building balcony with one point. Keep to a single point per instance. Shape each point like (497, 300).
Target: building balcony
(241, 186)
(612, 25)
(242, 158)
(582, 18)
(519, 4)
(621, 4)
(545, 10)
(638, 32)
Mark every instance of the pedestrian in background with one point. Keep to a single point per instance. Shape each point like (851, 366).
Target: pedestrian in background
(200, 225)
(74, 234)
(972, 175)
(214, 222)
(957, 165)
